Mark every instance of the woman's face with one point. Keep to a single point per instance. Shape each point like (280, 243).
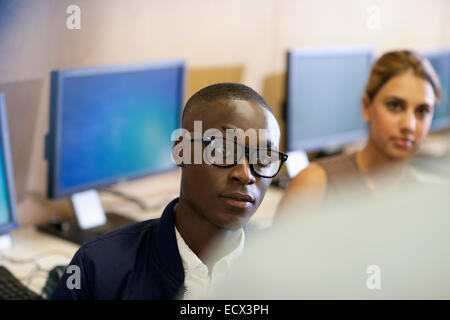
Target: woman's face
(400, 115)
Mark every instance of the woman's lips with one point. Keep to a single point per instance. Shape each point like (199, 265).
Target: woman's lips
(403, 143)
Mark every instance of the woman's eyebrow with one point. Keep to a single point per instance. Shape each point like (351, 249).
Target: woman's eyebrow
(423, 104)
(394, 98)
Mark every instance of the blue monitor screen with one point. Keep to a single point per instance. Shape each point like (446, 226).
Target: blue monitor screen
(7, 192)
(115, 125)
(324, 94)
(441, 63)
(5, 214)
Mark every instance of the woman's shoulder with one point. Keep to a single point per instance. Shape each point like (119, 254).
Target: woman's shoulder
(313, 174)
(339, 165)
(313, 181)
(306, 188)
(336, 160)
(319, 170)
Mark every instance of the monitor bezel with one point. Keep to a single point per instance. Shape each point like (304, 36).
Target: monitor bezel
(328, 141)
(8, 165)
(53, 138)
(444, 122)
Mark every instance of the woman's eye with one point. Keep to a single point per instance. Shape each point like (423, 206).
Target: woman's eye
(422, 111)
(394, 106)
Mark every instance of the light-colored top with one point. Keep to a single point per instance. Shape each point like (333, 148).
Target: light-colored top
(198, 283)
(343, 176)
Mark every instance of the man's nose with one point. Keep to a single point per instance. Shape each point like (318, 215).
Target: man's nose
(241, 172)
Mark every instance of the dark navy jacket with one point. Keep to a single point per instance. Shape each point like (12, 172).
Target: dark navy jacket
(138, 261)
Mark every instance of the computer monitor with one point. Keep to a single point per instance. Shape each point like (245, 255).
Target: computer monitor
(324, 92)
(111, 124)
(8, 218)
(440, 59)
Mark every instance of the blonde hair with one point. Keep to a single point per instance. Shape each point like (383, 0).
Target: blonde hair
(395, 63)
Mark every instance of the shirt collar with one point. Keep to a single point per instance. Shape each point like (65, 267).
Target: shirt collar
(191, 261)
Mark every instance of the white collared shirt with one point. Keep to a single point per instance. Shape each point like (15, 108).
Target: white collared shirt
(197, 282)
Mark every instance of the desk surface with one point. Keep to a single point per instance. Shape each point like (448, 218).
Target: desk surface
(33, 253)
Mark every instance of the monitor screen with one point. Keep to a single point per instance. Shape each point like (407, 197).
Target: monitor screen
(7, 192)
(324, 92)
(441, 63)
(112, 124)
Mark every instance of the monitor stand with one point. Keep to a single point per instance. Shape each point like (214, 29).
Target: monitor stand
(296, 162)
(5, 241)
(90, 220)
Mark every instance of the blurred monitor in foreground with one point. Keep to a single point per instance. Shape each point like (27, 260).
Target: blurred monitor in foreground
(396, 248)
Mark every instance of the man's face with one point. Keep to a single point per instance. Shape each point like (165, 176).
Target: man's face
(228, 197)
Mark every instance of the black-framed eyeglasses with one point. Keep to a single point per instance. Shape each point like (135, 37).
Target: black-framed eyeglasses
(225, 153)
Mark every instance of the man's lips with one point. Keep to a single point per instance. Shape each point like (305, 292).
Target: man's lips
(238, 200)
(403, 143)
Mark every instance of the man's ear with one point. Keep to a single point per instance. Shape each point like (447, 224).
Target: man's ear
(177, 152)
(366, 104)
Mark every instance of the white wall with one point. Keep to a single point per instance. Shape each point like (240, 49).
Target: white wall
(252, 33)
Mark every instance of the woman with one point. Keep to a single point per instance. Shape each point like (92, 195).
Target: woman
(400, 96)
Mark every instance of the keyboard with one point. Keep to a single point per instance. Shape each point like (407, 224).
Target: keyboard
(12, 289)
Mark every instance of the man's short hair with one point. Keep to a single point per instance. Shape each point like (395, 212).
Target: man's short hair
(224, 91)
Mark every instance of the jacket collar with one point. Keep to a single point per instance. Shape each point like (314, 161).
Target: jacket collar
(167, 251)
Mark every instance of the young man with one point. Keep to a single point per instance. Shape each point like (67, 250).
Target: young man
(182, 254)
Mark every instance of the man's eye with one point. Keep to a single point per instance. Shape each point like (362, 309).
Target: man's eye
(264, 159)
(223, 151)
(219, 149)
